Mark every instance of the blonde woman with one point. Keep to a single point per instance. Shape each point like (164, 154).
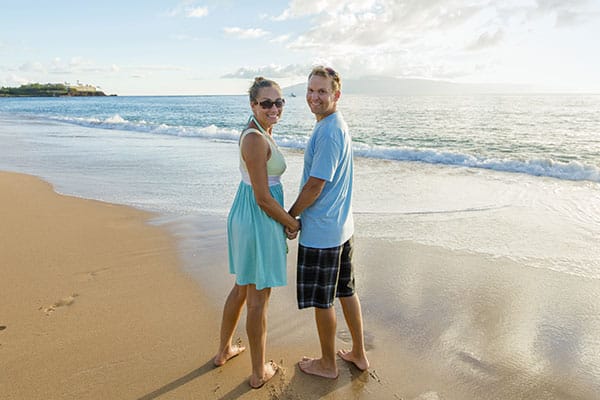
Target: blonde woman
(255, 231)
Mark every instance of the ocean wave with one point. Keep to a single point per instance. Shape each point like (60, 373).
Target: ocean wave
(119, 123)
(573, 170)
(211, 132)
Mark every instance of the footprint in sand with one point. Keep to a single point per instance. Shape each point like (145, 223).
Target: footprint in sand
(91, 275)
(2, 327)
(66, 301)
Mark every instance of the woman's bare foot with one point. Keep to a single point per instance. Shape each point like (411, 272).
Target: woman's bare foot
(314, 366)
(228, 353)
(360, 362)
(271, 369)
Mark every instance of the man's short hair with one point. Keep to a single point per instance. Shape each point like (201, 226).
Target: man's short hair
(320, 70)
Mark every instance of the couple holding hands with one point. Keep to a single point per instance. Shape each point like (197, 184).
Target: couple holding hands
(256, 239)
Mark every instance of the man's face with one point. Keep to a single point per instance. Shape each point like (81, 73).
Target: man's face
(320, 96)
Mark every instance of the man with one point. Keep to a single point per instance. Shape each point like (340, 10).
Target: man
(325, 243)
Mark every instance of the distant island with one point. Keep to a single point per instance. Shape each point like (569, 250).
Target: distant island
(51, 90)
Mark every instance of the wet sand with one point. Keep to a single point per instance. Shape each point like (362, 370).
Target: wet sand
(99, 304)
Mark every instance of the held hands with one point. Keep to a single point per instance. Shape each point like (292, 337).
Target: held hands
(291, 235)
(292, 232)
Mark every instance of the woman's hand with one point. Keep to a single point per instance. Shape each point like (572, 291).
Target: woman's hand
(292, 232)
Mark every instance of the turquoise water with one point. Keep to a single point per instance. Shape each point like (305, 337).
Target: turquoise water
(542, 135)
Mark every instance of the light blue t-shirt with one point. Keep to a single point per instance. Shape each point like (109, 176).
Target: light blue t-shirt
(328, 221)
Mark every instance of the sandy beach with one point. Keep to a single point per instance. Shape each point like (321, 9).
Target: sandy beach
(96, 304)
(93, 303)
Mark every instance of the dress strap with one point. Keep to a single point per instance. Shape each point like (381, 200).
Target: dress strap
(247, 131)
(260, 128)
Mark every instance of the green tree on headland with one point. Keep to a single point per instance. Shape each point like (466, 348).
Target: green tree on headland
(49, 90)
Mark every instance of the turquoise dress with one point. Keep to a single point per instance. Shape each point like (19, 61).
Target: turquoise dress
(256, 242)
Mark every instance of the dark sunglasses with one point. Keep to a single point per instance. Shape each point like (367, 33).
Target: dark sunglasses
(267, 104)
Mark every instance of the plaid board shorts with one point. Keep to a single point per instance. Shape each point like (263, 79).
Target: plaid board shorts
(324, 274)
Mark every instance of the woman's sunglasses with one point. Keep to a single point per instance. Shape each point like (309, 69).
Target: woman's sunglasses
(267, 104)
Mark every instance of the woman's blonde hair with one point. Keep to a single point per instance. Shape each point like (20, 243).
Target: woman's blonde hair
(259, 83)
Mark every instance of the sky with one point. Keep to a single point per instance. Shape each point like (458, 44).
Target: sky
(200, 47)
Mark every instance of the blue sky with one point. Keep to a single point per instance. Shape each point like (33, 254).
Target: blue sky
(217, 47)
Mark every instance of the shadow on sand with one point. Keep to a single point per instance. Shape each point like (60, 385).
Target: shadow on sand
(206, 368)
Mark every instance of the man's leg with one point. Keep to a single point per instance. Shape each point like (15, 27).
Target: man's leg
(352, 310)
(317, 275)
(353, 316)
(325, 366)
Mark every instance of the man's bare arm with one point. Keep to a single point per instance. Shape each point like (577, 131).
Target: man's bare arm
(308, 195)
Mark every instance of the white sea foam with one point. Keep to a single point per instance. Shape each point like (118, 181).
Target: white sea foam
(572, 170)
(118, 122)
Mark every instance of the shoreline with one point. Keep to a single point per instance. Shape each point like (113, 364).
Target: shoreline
(100, 302)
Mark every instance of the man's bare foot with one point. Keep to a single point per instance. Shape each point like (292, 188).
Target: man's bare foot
(271, 369)
(360, 362)
(314, 366)
(227, 354)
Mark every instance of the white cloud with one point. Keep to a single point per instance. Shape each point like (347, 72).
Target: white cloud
(81, 66)
(301, 8)
(75, 65)
(273, 71)
(35, 66)
(438, 39)
(13, 80)
(188, 9)
(239, 33)
(566, 13)
(197, 12)
(486, 40)
(281, 39)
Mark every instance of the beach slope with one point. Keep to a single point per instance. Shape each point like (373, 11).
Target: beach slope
(94, 304)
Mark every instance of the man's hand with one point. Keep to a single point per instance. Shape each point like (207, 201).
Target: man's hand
(292, 233)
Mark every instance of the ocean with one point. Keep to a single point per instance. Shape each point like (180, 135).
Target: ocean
(447, 167)
(477, 218)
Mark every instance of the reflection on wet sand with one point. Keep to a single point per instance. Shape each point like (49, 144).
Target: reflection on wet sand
(486, 328)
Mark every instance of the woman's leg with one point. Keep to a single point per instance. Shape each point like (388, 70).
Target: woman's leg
(256, 328)
(231, 315)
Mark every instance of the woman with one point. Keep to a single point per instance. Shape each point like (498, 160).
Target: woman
(255, 232)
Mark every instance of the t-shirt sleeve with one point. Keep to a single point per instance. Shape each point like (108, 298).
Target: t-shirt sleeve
(328, 148)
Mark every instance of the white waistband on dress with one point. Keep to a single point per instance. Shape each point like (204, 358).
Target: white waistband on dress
(273, 180)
